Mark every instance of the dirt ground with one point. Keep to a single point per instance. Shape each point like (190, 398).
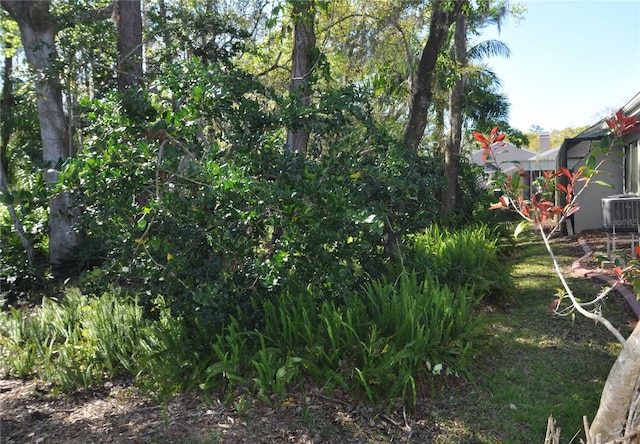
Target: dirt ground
(115, 413)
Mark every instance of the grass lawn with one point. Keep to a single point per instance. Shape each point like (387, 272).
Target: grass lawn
(534, 363)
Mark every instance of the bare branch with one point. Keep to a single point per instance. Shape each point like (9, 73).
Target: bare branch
(574, 301)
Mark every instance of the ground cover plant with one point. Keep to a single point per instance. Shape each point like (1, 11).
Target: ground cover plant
(376, 343)
(472, 256)
(527, 364)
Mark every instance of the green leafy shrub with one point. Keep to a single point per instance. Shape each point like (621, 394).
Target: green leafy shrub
(207, 206)
(379, 343)
(470, 257)
(20, 280)
(79, 341)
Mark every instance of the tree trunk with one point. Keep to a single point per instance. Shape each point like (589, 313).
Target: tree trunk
(421, 88)
(456, 99)
(304, 42)
(37, 31)
(129, 22)
(6, 112)
(619, 391)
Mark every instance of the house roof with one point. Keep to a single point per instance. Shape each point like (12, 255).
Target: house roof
(545, 161)
(598, 130)
(632, 107)
(508, 156)
(545, 155)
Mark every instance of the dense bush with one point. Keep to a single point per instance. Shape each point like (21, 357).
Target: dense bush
(383, 340)
(472, 257)
(206, 206)
(250, 265)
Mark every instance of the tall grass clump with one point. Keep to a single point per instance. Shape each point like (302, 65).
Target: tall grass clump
(74, 342)
(380, 343)
(83, 338)
(468, 257)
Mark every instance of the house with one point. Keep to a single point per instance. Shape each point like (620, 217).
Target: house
(545, 160)
(621, 172)
(508, 156)
(529, 163)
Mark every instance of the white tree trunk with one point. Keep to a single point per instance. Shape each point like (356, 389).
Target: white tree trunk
(618, 392)
(37, 31)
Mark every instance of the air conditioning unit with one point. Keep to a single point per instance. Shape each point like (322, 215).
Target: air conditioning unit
(621, 214)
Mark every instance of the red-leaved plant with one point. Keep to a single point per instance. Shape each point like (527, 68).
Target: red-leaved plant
(542, 212)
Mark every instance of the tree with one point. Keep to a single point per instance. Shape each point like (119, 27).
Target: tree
(388, 35)
(618, 404)
(443, 15)
(38, 32)
(129, 23)
(456, 100)
(304, 42)
(487, 13)
(6, 104)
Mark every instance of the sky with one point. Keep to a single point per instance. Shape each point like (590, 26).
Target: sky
(572, 62)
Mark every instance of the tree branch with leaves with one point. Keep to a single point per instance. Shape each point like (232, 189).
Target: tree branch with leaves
(618, 402)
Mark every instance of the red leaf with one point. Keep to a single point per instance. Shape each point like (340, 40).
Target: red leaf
(620, 124)
(565, 172)
(481, 138)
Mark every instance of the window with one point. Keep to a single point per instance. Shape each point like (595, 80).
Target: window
(632, 168)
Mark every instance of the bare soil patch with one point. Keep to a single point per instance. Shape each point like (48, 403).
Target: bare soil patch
(117, 413)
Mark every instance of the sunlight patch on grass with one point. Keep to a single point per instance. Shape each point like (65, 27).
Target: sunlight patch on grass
(542, 342)
(501, 328)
